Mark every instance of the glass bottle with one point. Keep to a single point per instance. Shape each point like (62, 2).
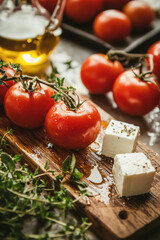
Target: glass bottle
(28, 34)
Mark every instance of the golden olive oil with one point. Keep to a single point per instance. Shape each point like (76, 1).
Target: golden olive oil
(23, 40)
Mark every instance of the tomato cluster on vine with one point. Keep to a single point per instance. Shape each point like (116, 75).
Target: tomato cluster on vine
(135, 90)
(30, 102)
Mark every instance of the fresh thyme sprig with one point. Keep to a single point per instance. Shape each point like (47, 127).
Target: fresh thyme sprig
(62, 93)
(25, 195)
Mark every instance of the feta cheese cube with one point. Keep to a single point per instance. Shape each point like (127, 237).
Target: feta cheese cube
(119, 137)
(133, 174)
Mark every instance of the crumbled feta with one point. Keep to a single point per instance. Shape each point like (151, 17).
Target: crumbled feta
(133, 174)
(119, 137)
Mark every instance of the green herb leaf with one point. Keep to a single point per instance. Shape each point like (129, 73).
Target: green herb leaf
(77, 175)
(84, 192)
(18, 158)
(78, 182)
(72, 163)
(8, 161)
(66, 164)
(37, 170)
(10, 131)
(46, 167)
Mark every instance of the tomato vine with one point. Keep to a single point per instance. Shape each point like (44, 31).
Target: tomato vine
(65, 93)
(135, 61)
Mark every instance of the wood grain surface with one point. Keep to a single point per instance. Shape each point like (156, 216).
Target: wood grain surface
(112, 217)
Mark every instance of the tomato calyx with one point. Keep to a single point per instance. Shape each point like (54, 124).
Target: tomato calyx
(67, 94)
(135, 61)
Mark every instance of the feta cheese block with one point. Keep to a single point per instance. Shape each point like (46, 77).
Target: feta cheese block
(133, 174)
(119, 137)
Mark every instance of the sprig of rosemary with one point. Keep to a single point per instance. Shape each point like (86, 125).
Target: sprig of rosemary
(25, 195)
(67, 94)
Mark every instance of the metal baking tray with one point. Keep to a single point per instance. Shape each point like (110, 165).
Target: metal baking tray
(136, 42)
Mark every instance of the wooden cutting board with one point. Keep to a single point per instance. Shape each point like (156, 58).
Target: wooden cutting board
(112, 217)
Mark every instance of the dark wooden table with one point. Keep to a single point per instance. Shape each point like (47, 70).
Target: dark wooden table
(79, 53)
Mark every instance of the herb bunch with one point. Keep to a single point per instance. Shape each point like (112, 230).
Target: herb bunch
(25, 196)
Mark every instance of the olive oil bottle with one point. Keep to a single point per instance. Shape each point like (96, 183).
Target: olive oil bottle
(24, 37)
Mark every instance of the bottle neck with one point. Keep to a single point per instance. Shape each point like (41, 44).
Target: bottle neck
(57, 15)
(19, 3)
(30, 5)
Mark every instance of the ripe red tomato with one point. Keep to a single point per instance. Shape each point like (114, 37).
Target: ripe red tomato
(3, 89)
(49, 5)
(115, 4)
(112, 26)
(133, 96)
(28, 110)
(82, 11)
(140, 14)
(73, 129)
(98, 73)
(155, 51)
